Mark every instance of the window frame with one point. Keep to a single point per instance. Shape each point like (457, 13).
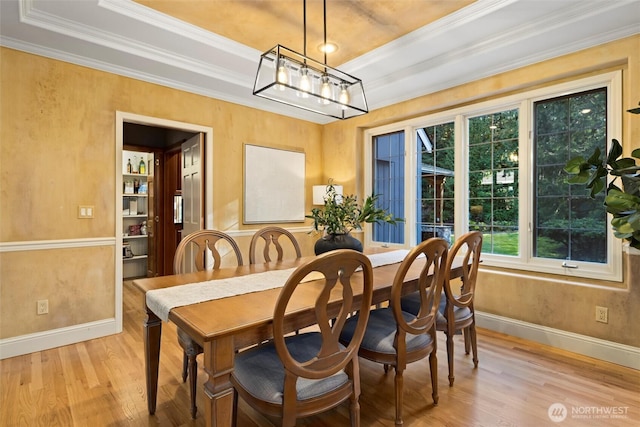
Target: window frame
(611, 270)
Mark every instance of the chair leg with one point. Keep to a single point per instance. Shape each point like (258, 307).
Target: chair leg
(354, 408)
(193, 381)
(185, 364)
(474, 345)
(399, 389)
(433, 367)
(450, 356)
(467, 340)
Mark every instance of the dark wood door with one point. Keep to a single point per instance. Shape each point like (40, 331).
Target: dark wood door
(171, 230)
(155, 263)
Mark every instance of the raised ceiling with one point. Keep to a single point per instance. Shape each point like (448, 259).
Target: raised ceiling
(356, 26)
(400, 49)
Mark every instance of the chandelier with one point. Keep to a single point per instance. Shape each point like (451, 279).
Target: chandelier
(295, 79)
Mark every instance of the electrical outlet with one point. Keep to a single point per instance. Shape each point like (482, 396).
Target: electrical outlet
(43, 306)
(602, 314)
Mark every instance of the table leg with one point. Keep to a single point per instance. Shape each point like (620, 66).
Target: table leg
(218, 364)
(152, 335)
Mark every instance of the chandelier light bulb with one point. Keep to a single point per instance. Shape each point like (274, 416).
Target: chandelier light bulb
(283, 75)
(305, 83)
(344, 95)
(325, 90)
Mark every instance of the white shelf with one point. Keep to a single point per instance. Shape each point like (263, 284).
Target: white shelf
(138, 203)
(134, 258)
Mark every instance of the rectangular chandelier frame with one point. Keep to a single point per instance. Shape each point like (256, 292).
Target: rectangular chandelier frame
(294, 79)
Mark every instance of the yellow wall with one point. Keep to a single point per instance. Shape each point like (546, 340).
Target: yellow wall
(541, 299)
(57, 151)
(57, 132)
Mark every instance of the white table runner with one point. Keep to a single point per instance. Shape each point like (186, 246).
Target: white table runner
(161, 301)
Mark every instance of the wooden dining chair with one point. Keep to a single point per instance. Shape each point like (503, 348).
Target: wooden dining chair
(458, 309)
(201, 247)
(295, 376)
(456, 314)
(270, 236)
(397, 338)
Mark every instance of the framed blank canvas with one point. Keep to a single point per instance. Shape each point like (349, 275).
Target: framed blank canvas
(273, 185)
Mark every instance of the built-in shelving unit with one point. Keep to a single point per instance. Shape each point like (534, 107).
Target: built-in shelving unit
(135, 209)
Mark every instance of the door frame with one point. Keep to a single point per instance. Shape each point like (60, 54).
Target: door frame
(123, 117)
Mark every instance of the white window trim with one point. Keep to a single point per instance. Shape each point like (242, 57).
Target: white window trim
(612, 270)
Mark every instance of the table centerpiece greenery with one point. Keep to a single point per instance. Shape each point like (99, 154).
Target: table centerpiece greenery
(342, 213)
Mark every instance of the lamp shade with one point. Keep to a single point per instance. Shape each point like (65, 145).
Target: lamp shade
(294, 79)
(320, 191)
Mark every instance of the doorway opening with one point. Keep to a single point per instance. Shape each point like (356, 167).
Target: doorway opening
(163, 141)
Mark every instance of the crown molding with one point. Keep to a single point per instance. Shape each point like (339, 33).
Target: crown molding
(142, 13)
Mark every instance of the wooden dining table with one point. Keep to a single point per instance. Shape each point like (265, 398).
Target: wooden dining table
(224, 326)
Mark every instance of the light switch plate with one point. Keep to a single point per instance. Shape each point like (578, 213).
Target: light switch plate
(85, 211)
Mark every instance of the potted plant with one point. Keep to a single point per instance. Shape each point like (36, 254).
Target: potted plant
(623, 203)
(341, 214)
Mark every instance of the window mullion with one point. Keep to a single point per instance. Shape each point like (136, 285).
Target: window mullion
(410, 204)
(461, 178)
(525, 148)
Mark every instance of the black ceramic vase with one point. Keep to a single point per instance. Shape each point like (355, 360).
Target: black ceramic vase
(331, 242)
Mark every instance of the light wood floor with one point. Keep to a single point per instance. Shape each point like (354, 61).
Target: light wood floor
(101, 383)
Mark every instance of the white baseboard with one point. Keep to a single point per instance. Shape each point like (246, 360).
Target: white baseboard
(620, 354)
(628, 249)
(30, 343)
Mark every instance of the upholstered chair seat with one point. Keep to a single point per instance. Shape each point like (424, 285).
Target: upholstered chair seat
(381, 332)
(261, 372)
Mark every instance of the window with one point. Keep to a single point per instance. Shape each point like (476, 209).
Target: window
(434, 178)
(388, 178)
(493, 180)
(568, 223)
(497, 167)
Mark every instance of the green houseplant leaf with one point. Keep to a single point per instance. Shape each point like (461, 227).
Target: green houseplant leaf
(623, 203)
(618, 202)
(342, 213)
(614, 152)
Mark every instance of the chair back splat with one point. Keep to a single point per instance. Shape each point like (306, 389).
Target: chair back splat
(270, 236)
(203, 243)
(297, 375)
